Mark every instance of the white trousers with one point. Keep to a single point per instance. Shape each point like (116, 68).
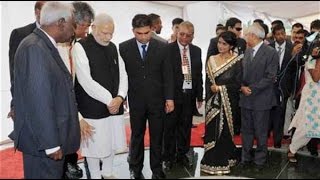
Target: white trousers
(94, 166)
(299, 139)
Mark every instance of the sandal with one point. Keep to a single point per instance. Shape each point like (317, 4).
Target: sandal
(291, 157)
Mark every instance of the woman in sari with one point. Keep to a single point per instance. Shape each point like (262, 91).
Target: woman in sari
(222, 96)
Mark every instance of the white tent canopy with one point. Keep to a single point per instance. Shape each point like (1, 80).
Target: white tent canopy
(288, 11)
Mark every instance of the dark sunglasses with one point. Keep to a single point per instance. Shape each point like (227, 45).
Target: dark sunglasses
(238, 29)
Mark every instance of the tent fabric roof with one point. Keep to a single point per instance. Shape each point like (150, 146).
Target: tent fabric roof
(280, 9)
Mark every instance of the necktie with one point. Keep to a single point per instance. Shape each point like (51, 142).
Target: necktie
(279, 51)
(251, 54)
(185, 63)
(144, 52)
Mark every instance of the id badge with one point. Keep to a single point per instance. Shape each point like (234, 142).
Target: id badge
(185, 70)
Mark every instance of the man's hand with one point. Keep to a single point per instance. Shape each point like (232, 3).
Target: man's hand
(246, 90)
(296, 49)
(169, 107)
(86, 130)
(11, 114)
(115, 105)
(199, 104)
(214, 88)
(56, 155)
(315, 51)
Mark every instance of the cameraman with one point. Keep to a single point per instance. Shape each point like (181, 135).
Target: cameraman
(306, 119)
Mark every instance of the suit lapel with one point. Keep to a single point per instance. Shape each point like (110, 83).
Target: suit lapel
(177, 57)
(258, 56)
(286, 57)
(136, 51)
(151, 48)
(53, 50)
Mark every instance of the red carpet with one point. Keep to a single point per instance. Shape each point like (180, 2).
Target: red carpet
(11, 162)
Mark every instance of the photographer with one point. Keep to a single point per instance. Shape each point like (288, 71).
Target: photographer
(306, 118)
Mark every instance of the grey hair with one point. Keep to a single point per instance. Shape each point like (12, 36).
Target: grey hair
(53, 11)
(83, 12)
(256, 30)
(102, 19)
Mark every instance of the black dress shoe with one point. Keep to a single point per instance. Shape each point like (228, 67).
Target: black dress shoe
(259, 167)
(167, 165)
(314, 153)
(73, 171)
(245, 165)
(184, 160)
(158, 175)
(136, 175)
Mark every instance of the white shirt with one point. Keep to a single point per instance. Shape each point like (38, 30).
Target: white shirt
(283, 47)
(256, 48)
(186, 85)
(92, 87)
(52, 150)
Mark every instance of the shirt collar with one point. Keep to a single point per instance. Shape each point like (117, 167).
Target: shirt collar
(50, 38)
(256, 48)
(283, 45)
(181, 47)
(37, 24)
(140, 44)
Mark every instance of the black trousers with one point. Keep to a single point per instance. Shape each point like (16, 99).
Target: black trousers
(254, 124)
(177, 131)
(276, 121)
(42, 167)
(138, 117)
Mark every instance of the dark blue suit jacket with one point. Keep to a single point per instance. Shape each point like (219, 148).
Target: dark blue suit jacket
(45, 104)
(17, 35)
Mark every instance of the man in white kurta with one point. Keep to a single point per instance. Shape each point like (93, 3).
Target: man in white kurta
(97, 63)
(84, 15)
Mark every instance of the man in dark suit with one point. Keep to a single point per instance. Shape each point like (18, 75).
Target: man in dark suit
(187, 70)
(234, 25)
(17, 35)
(46, 125)
(259, 69)
(150, 94)
(283, 85)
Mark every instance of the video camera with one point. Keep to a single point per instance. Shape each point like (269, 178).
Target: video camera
(313, 46)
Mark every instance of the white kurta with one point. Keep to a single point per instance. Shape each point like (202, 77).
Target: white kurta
(109, 132)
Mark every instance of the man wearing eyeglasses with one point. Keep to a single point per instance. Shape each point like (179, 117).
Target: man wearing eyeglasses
(234, 25)
(84, 15)
(187, 70)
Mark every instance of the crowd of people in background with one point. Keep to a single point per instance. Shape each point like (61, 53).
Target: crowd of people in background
(69, 87)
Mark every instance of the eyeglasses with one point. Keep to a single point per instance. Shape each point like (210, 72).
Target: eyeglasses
(238, 28)
(186, 34)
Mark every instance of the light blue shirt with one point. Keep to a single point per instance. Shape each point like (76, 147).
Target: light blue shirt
(140, 48)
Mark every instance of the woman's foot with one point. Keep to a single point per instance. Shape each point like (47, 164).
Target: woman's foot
(291, 157)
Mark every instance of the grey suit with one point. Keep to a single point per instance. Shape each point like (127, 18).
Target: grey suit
(155, 36)
(259, 74)
(45, 106)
